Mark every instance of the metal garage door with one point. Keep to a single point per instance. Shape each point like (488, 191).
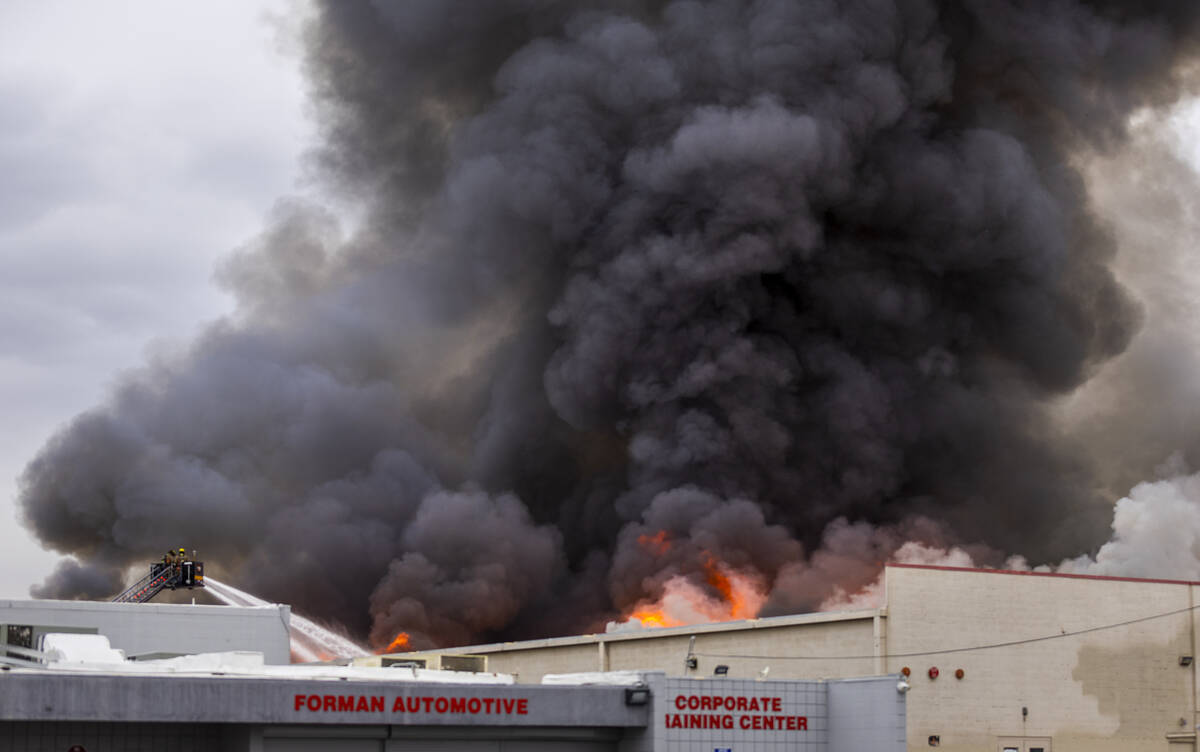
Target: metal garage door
(333, 743)
(285, 744)
(443, 745)
(556, 746)
(491, 745)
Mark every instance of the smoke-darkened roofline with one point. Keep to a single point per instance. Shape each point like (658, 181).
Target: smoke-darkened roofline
(650, 633)
(767, 622)
(1066, 575)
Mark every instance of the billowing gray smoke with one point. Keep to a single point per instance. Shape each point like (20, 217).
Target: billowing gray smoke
(716, 272)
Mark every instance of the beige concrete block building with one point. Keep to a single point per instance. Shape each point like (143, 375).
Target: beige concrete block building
(997, 661)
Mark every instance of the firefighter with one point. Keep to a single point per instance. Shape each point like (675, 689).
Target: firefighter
(185, 569)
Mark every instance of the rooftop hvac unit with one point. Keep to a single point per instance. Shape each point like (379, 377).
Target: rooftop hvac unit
(437, 661)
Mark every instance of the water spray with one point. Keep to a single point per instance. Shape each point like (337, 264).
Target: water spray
(310, 641)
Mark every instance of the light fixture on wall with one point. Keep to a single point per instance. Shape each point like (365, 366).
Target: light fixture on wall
(690, 662)
(721, 670)
(637, 695)
(1185, 660)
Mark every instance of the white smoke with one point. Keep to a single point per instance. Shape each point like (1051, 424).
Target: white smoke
(1155, 534)
(1156, 531)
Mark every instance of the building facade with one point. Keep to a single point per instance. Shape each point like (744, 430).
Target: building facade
(151, 629)
(997, 661)
(56, 710)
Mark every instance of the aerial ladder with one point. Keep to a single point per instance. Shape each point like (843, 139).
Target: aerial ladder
(165, 575)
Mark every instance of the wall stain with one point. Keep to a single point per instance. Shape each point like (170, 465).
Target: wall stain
(1141, 684)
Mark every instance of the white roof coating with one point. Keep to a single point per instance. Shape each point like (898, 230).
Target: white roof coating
(80, 648)
(248, 664)
(149, 629)
(597, 678)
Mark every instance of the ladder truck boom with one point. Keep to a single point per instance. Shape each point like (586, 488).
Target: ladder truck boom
(165, 575)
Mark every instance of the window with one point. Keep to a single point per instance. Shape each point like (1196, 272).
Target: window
(19, 636)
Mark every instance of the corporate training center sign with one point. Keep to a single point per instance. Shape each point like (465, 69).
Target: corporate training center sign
(742, 715)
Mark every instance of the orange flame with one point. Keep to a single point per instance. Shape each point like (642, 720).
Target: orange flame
(717, 579)
(731, 594)
(647, 616)
(744, 601)
(398, 645)
(658, 544)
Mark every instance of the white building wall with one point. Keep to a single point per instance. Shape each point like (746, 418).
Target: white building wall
(143, 628)
(1068, 674)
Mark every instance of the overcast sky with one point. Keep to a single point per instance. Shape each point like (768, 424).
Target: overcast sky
(140, 141)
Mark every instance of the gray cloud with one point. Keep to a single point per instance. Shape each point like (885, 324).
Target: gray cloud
(732, 271)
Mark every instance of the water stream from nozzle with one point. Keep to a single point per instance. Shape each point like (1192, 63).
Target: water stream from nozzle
(310, 641)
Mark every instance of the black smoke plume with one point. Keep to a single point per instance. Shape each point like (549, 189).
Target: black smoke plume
(727, 270)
